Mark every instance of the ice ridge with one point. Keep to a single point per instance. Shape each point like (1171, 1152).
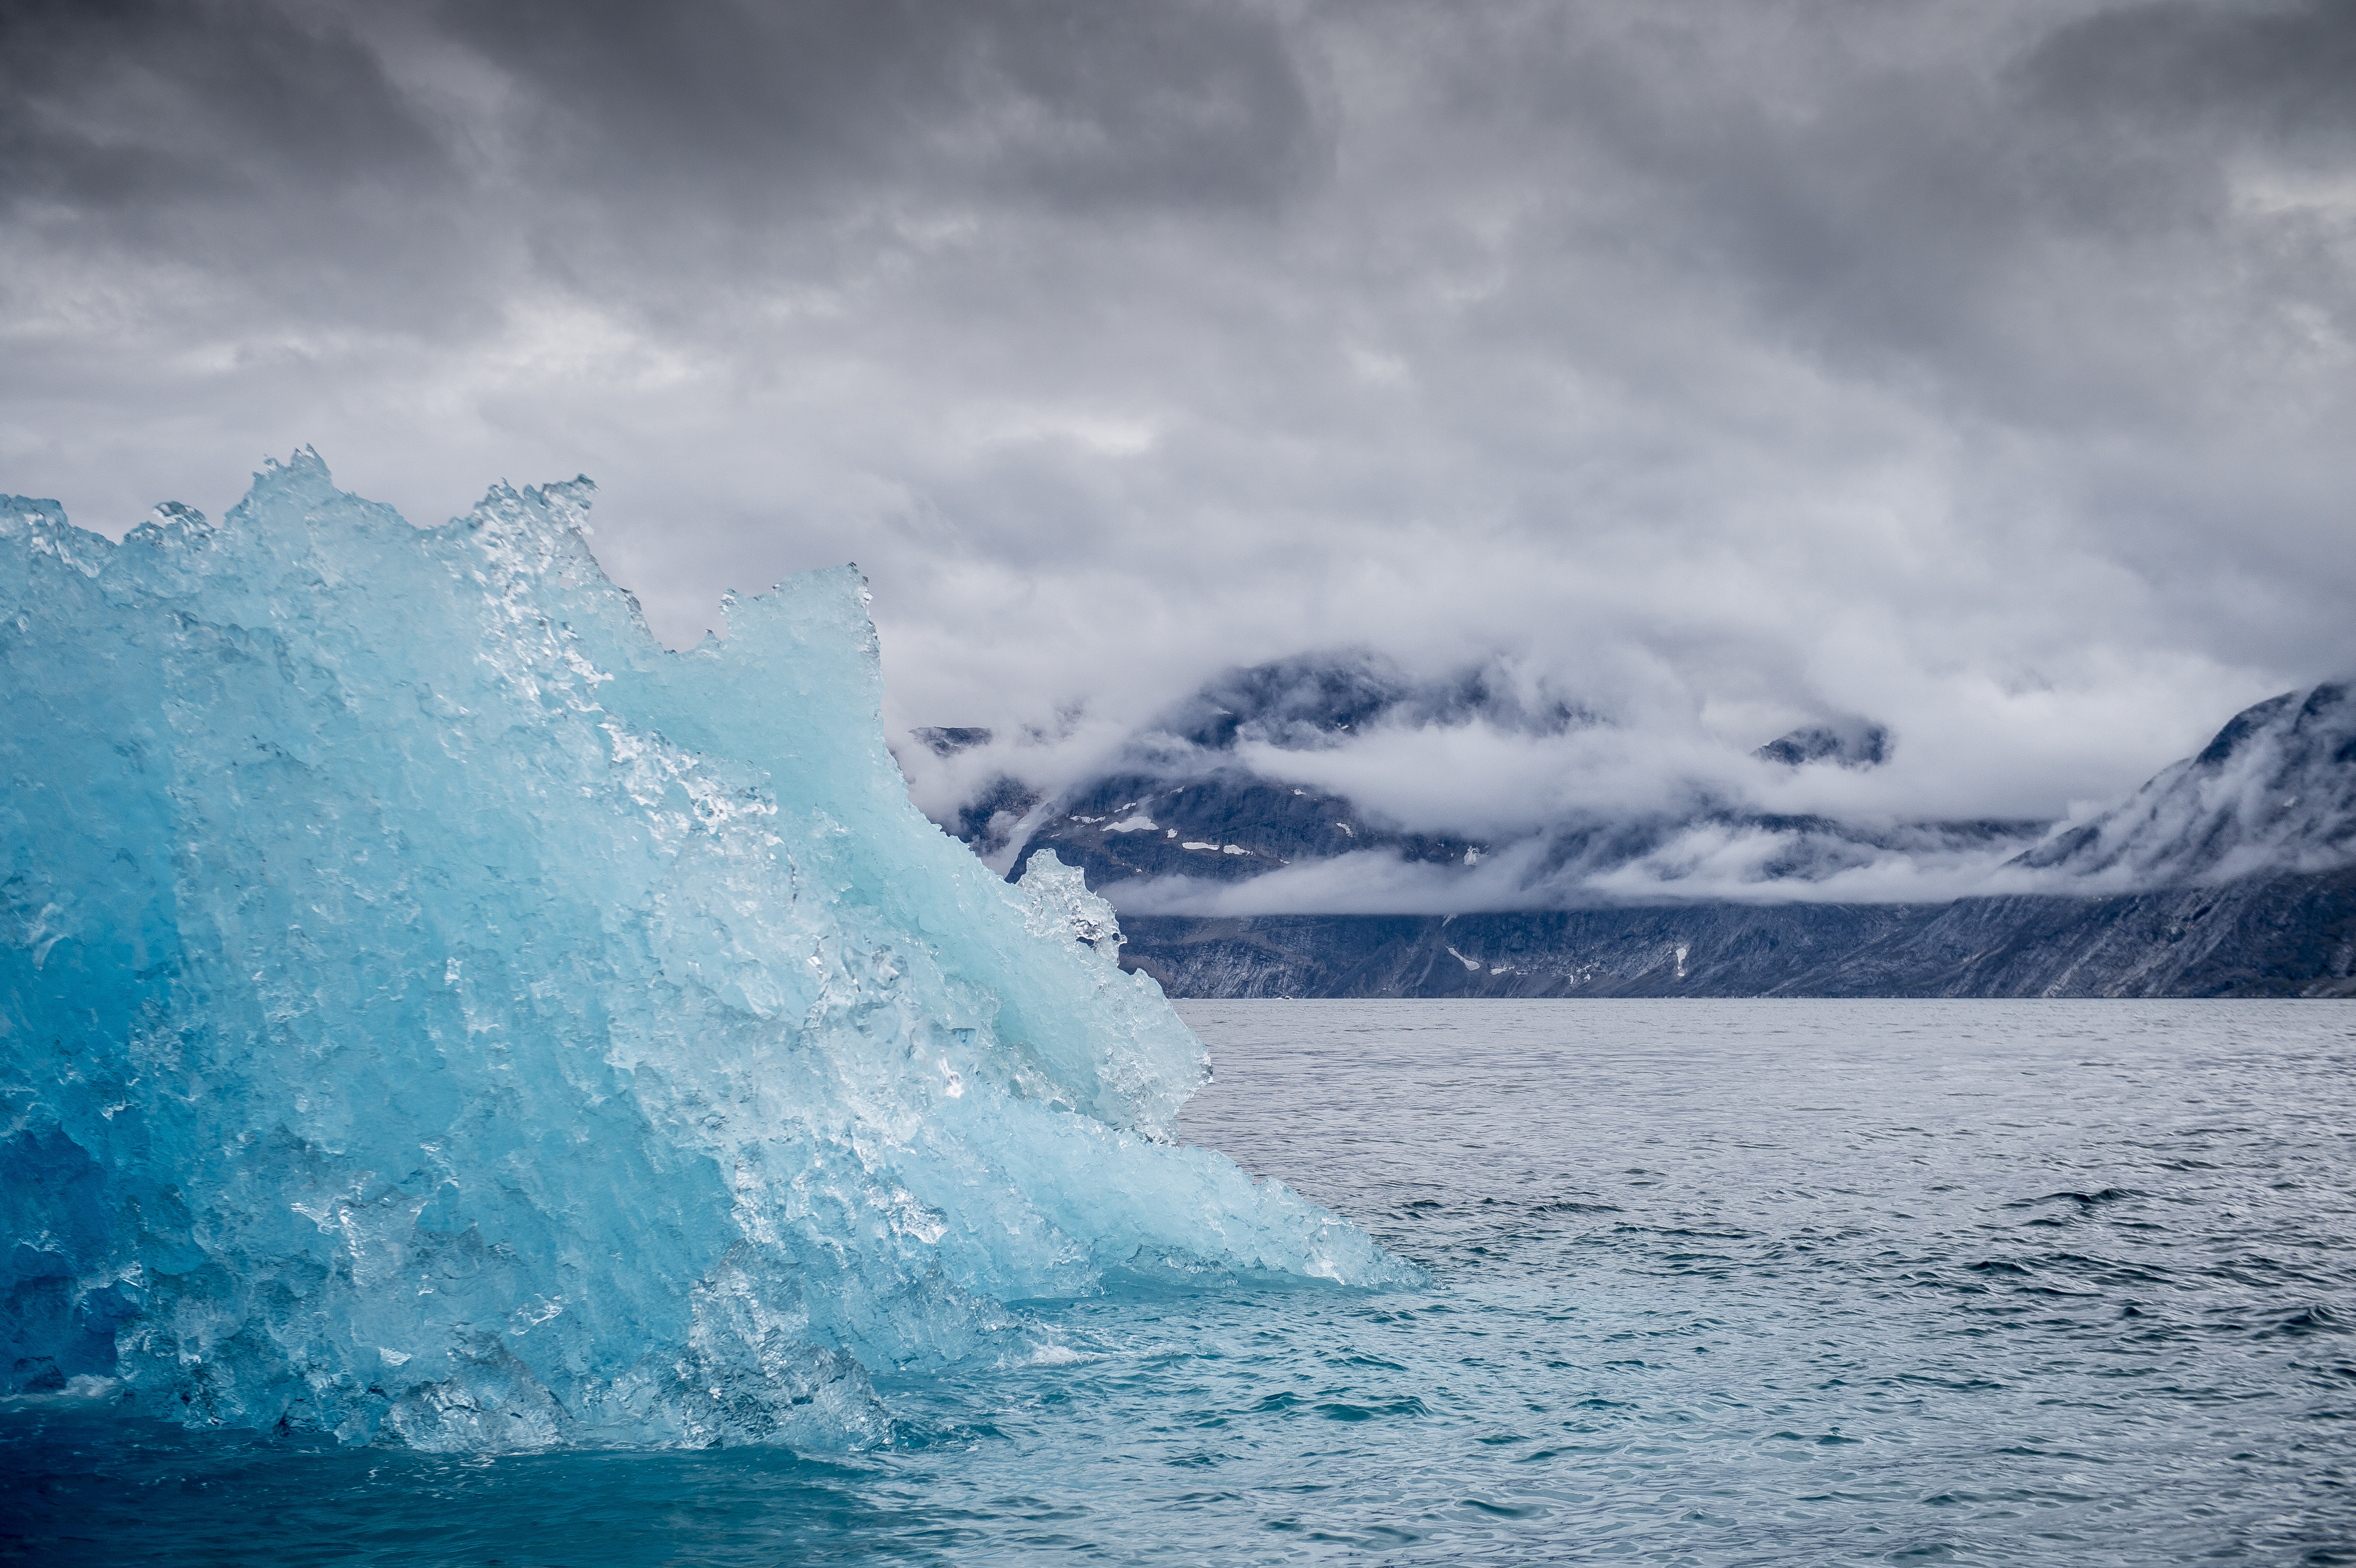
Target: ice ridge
(435, 1013)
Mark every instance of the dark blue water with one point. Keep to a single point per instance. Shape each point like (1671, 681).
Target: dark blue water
(1712, 1283)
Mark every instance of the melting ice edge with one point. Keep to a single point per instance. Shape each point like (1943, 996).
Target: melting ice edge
(435, 1013)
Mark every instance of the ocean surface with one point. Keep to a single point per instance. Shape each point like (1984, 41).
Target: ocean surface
(2067, 1282)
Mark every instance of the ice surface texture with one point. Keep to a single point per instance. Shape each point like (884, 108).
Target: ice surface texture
(435, 1013)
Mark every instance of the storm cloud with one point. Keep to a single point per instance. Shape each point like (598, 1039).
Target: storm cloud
(1986, 372)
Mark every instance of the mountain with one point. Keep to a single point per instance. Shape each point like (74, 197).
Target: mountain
(2230, 872)
(2274, 791)
(1850, 744)
(2291, 936)
(1220, 791)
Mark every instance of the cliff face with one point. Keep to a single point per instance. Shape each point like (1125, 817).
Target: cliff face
(2261, 936)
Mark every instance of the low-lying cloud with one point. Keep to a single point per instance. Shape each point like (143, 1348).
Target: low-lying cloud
(1339, 784)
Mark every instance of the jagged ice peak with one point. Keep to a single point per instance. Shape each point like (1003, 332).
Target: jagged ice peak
(437, 1014)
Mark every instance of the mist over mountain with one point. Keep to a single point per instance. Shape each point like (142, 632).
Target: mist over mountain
(1339, 784)
(2276, 791)
(1851, 742)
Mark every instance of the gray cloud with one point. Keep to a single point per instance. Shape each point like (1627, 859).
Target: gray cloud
(2275, 74)
(1983, 372)
(734, 110)
(120, 112)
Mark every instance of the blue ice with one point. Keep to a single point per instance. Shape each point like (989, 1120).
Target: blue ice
(435, 1013)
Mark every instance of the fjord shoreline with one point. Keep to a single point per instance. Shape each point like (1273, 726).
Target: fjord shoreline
(2285, 935)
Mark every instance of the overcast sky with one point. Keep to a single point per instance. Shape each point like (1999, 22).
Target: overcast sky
(1984, 369)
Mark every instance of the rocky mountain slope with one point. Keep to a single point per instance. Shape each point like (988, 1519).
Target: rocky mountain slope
(2274, 791)
(2230, 873)
(1213, 795)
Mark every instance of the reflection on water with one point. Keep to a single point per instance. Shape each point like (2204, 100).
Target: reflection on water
(1712, 1281)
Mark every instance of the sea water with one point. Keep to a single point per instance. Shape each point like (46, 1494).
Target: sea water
(1708, 1283)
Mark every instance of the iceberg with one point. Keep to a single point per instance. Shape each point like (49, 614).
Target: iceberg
(436, 1014)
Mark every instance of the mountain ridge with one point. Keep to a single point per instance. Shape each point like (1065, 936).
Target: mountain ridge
(2230, 872)
(1191, 813)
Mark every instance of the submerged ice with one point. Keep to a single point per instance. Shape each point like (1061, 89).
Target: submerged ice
(435, 1013)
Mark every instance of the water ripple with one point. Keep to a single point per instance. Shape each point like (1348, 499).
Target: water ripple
(1710, 1283)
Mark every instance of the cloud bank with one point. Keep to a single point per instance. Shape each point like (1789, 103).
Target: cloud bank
(1722, 369)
